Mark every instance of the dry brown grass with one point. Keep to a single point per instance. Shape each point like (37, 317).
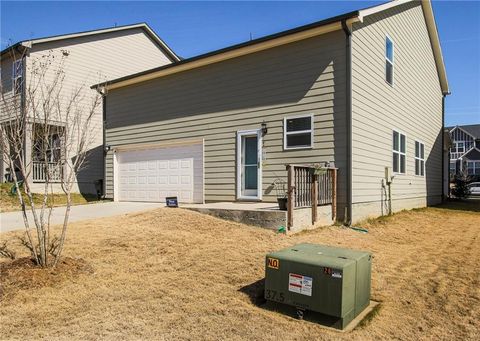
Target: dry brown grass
(174, 274)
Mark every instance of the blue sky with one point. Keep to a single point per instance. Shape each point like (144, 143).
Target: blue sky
(192, 28)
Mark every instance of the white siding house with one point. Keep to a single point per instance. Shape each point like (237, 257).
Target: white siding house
(90, 57)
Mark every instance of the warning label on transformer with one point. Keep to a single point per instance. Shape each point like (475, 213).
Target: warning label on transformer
(300, 284)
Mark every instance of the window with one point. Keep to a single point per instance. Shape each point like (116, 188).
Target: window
(49, 150)
(298, 132)
(17, 76)
(453, 167)
(419, 159)
(459, 147)
(473, 167)
(399, 142)
(389, 60)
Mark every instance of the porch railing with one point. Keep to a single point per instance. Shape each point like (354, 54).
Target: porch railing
(307, 189)
(43, 170)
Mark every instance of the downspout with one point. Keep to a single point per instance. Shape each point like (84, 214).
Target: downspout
(104, 122)
(348, 49)
(443, 148)
(444, 95)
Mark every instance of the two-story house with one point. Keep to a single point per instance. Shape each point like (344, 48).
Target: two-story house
(92, 55)
(465, 150)
(363, 91)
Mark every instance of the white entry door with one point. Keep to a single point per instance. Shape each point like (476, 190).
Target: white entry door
(154, 174)
(249, 165)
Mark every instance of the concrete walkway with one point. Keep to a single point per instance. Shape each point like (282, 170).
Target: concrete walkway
(10, 221)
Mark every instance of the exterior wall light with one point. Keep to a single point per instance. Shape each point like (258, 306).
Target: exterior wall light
(264, 128)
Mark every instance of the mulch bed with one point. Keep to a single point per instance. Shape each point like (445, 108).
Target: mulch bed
(25, 274)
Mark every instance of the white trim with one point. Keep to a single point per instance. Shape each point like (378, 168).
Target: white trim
(143, 26)
(241, 133)
(233, 53)
(474, 167)
(436, 47)
(379, 8)
(115, 176)
(419, 158)
(387, 60)
(15, 76)
(153, 145)
(399, 152)
(466, 132)
(432, 31)
(285, 133)
(427, 10)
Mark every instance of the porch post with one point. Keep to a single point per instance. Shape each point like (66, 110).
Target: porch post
(27, 152)
(334, 193)
(314, 198)
(290, 195)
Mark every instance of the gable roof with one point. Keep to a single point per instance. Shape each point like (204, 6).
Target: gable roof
(471, 129)
(151, 33)
(285, 37)
(473, 154)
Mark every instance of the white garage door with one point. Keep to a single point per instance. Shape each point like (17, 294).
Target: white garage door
(154, 174)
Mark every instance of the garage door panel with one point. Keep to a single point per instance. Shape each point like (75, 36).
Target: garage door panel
(152, 175)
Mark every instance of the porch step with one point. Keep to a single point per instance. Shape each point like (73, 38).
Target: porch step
(266, 219)
(269, 218)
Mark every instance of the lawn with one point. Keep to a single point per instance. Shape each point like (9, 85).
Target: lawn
(9, 202)
(174, 274)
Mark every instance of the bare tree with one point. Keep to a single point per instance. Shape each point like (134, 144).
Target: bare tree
(46, 131)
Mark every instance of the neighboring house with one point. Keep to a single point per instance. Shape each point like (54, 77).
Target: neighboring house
(92, 56)
(363, 90)
(465, 150)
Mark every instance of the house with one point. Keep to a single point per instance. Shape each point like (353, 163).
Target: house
(363, 91)
(465, 150)
(92, 56)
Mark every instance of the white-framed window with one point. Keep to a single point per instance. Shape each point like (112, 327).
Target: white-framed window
(458, 147)
(399, 153)
(473, 167)
(453, 167)
(389, 60)
(17, 76)
(419, 158)
(298, 132)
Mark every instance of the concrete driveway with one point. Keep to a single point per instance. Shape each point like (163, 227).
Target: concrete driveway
(13, 220)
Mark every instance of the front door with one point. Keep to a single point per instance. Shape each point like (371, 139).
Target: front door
(249, 165)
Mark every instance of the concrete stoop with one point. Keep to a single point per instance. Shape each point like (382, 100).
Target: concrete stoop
(266, 217)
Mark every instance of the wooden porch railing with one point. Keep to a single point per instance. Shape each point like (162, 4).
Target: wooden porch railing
(307, 189)
(43, 169)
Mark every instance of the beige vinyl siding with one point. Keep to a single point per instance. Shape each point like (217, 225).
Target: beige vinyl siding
(6, 79)
(6, 89)
(93, 59)
(216, 101)
(413, 106)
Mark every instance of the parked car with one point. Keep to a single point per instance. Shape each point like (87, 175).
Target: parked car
(474, 188)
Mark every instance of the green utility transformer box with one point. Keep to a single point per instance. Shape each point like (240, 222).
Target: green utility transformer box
(328, 280)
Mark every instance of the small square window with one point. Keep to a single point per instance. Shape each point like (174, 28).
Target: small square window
(298, 132)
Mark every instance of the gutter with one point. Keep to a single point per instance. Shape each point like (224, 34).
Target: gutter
(348, 50)
(104, 137)
(280, 38)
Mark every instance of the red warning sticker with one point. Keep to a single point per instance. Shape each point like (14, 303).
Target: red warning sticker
(300, 284)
